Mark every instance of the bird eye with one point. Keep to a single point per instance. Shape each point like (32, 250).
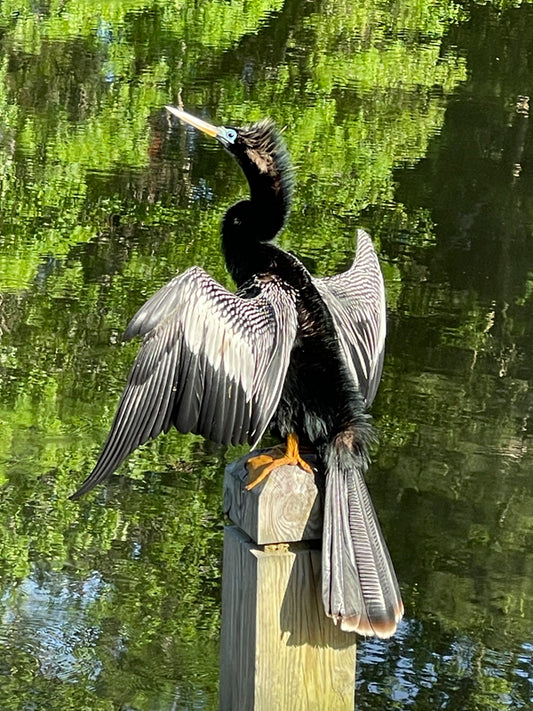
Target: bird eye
(231, 135)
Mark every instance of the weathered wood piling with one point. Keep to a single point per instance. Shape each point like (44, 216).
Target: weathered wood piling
(279, 651)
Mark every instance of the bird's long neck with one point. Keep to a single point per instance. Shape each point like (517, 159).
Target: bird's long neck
(251, 225)
(247, 235)
(270, 197)
(264, 160)
(249, 228)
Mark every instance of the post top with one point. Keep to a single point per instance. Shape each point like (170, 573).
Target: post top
(284, 508)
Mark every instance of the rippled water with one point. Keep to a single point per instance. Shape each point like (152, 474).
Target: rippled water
(408, 119)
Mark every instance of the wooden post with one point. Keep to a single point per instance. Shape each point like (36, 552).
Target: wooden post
(279, 651)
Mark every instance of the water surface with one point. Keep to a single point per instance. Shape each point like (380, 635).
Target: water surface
(408, 119)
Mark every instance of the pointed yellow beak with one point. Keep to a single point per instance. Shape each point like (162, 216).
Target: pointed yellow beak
(194, 121)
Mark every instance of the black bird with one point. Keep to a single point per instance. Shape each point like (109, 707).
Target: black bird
(300, 355)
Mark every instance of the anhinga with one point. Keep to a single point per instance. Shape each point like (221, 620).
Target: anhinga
(300, 355)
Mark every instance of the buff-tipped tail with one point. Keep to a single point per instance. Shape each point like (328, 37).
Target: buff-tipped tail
(359, 586)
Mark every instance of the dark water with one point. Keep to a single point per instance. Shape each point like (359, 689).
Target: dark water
(408, 119)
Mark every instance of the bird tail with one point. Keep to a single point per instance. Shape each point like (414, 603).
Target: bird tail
(359, 585)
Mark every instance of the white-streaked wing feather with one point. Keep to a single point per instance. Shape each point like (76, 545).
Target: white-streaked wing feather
(211, 362)
(356, 300)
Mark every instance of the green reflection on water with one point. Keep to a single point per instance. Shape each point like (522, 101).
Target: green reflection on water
(393, 114)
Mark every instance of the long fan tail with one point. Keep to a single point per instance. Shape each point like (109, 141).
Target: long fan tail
(359, 585)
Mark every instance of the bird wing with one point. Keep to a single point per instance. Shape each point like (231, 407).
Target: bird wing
(356, 300)
(211, 362)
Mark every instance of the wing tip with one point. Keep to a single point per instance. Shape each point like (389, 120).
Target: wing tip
(364, 242)
(98, 475)
(86, 486)
(363, 234)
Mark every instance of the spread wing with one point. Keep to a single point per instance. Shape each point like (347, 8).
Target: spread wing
(211, 362)
(356, 300)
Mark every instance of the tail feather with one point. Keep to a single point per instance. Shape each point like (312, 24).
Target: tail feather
(359, 585)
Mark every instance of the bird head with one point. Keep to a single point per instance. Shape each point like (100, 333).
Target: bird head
(261, 152)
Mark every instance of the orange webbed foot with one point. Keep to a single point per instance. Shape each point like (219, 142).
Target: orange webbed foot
(262, 465)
